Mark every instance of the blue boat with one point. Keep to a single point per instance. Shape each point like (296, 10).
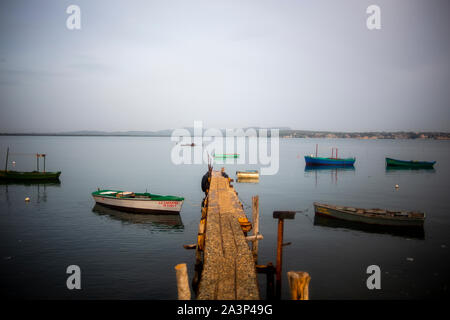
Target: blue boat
(320, 161)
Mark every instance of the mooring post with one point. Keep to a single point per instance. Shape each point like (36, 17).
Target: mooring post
(299, 285)
(6, 163)
(280, 215)
(184, 293)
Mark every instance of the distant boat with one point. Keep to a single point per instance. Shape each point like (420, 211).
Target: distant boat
(10, 175)
(138, 202)
(371, 216)
(312, 160)
(226, 155)
(247, 174)
(409, 164)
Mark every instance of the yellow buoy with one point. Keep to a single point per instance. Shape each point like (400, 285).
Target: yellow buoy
(27, 199)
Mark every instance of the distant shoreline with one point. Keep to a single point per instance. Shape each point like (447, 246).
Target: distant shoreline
(283, 133)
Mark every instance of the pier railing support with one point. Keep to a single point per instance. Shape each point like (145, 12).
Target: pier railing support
(184, 293)
(299, 285)
(280, 215)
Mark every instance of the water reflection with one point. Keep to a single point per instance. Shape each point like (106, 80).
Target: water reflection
(56, 183)
(407, 232)
(161, 222)
(333, 171)
(40, 187)
(247, 180)
(400, 170)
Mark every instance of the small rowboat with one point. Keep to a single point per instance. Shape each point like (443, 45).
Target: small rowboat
(371, 216)
(247, 174)
(138, 202)
(409, 164)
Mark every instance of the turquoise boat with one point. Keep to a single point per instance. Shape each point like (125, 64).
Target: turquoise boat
(409, 164)
(321, 161)
(312, 160)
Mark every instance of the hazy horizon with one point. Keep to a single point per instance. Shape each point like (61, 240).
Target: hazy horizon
(156, 65)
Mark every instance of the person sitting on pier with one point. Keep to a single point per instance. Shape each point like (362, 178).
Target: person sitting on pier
(223, 173)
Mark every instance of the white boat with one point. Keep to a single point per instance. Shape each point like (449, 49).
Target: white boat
(138, 202)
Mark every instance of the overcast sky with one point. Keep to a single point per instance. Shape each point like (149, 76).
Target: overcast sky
(150, 65)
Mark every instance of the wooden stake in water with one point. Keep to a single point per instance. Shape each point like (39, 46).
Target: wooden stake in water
(7, 155)
(184, 293)
(299, 285)
(280, 215)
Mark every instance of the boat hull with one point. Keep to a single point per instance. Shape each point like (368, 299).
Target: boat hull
(140, 205)
(319, 161)
(29, 176)
(247, 174)
(374, 219)
(409, 164)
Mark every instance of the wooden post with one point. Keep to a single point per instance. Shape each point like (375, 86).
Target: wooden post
(44, 161)
(317, 146)
(279, 257)
(6, 163)
(184, 293)
(37, 162)
(280, 215)
(255, 221)
(299, 285)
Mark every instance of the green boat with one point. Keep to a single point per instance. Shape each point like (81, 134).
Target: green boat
(409, 164)
(29, 176)
(226, 155)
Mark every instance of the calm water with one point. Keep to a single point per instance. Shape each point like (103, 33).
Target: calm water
(126, 256)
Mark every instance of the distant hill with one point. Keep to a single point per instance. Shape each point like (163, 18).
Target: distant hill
(284, 132)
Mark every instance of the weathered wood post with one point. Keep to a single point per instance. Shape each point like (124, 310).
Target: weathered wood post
(280, 215)
(299, 285)
(184, 293)
(255, 221)
(6, 163)
(43, 155)
(37, 162)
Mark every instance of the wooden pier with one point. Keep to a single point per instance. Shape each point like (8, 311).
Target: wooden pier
(227, 269)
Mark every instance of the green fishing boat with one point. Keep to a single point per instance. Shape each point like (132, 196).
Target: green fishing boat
(409, 164)
(30, 176)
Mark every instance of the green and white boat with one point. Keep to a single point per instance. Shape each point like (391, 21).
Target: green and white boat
(138, 202)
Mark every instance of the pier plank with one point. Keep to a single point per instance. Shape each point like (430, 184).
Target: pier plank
(228, 266)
